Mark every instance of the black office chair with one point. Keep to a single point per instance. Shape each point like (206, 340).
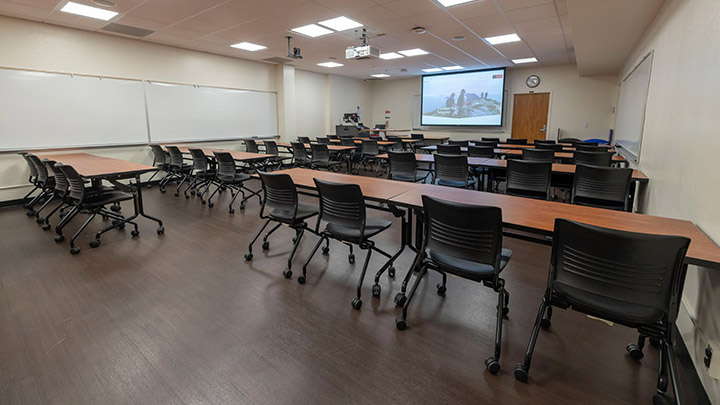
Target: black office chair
(481, 151)
(347, 141)
(452, 171)
(370, 151)
(592, 158)
(516, 141)
(604, 187)
(325, 141)
(178, 169)
(549, 146)
(43, 181)
(303, 139)
(632, 279)
(161, 160)
(59, 194)
(91, 204)
(404, 167)
(32, 178)
(321, 158)
(573, 141)
(538, 155)
(488, 144)
(544, 142)
(486, 139)
(528, 179)
(397, 145)
(333, 137)
(586, 144)
(275, 161)
(280, 205)
(231, 178)
(342, 207)
(251, 146)
(465, 241)
(201, 176)
(449, 149)
(300, 155)
(458, 143)
(420, 141)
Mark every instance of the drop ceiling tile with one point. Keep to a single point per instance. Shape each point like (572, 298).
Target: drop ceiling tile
(472, 10)
(172, 11)
(227, 15)
(181, 32)
(346, 6)
(23, 11)
(408, 8)
(490, 26)
(394, 26)
(562, 7)
(141, 23)
(532, 13)
(509, 5)
(539, 24)
(373, 15)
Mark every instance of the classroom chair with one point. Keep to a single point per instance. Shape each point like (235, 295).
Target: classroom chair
(325, 141)
(320, 158)
(342, 208)
(630, 279)
(91, 204)
(465, 241)
(449, 149)
(604, 187)
(229, 177)
(300, 156)
(201, 175)
(549, 146)
(251, 146)
(599, 158)
(586, 144)
(528, 179)
(590, 148)
(544, 142)
(303, 139)
(458, 143)
(488, 144)
(280, 204)
(516, 141)
(43, 181)
(486, 139)
(276, 160)
(404, 167)
(398, 145)
(572, 141)
(32, 178)
(160, 160)
(479, 173)
(538, 155)
(369, 153)
(178, 169)
(452, 171)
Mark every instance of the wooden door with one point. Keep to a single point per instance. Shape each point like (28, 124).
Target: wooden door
(530, 116)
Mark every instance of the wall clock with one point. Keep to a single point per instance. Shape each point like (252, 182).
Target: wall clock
(532, 81)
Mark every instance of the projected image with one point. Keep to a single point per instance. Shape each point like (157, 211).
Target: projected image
(464, 99)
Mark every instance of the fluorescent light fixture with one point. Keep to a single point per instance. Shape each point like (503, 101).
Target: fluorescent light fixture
(330, 64)
(524, 60)
(432, 70)
(453, 68)
(390, 55)
(248, 46)
(414, 52)
(340, 24)
(380, 75)
(450, 3)
(503, 39)
(87, 11)
(312, 30)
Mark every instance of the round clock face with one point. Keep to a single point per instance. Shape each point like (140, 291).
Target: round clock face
(532, 81)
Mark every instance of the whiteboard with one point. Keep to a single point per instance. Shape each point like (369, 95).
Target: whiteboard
(53, 110)
(192, 113)
(631, 108)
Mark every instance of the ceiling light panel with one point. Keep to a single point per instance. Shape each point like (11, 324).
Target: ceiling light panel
(452, 68)
(312, 30)
(503, 39)
(248, 46)
(340, 24)
(524, 60)
(432, 70)
(414, 52)
(330, 64)
(450, 3)
(380, 75)
(87, 11)
(390, 55)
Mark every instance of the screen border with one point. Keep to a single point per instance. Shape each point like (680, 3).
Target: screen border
(502, 110)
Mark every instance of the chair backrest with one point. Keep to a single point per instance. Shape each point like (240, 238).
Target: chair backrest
(417, 136)
(469, 232)
(176, 158)
(402, 163)
(586, 144)
(341, 204)
(570, 140)
(619, 267)
(31, 166)
(226, 169)
(299, 151)
(370, 148)
(590, 148)
(280, 192)
(549, 146)
(320, 153)
(491, 144)
(486, 139)
(159, 155)
(544, 141)
(347, 141)
(303, 139)
(251, 146)
(451, 167)
(42, 172)
(606, 187)
(481, 151)
(516, 141)
(398, 142)
(459, 143)
(271, 148)
(592, 158)
(449, 149)
(200, 161)
(528, 179)
(76, 186)
(420, 140)
(324, 140)
(61, 183)
(538, 155)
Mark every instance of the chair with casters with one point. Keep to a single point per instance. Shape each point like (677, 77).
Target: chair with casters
(528, 179)
(404, 167)
(342, 209)
(586, 144)
(452, 171)
(321, 158)
(481, 151)
(300, 155)
(397, 146)
(44, 182)
(449, 149)
(420, 141)
(280, 205)
(161, 160)
(370, 151)
(323, 140)
(201, 176)
(549, 146)
(631, 279)
(251, 146)
(303, 139)
(516, 141)
(178, 168)
(544, 142)
(32, 178)
(603, 187)
(538, 155)
(590, 148)
(490, 144)
(465, 241)
(275, 161)
(486, 139)
(230, 177)
(599, 158)
(458, 143)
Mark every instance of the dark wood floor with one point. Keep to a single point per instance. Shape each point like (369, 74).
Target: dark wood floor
(182, 318)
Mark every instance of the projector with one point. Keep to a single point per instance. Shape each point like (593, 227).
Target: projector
(362, 52)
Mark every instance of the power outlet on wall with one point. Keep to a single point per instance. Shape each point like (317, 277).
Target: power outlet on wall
(713, 366)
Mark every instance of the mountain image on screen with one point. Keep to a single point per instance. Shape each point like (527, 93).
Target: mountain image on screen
(464, 105)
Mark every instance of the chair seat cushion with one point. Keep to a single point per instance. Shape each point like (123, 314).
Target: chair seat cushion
(409, 177)
(454, 183)
(467, 268)
(106, 198)
(373, 227)
(304, 211)
(611, 309)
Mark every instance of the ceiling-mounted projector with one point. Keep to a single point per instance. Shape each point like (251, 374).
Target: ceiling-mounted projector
(364, 51)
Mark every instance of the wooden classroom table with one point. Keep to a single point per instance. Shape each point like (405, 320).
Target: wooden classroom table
(236, 154)
(565, 148)
(331, 148)
(358, 141)
(517, 152)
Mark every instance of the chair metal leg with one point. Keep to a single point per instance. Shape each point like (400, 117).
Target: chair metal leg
(298, 235)
(64, 221)
(249, 254)
(357, 302)
(177, 189)
(42, 207)
(307, 261)
(522, 369)
(270, 232)
(46, 220)
(401, 321)
(493, 363)
(28, 195)
(670, 359)
(73, 249)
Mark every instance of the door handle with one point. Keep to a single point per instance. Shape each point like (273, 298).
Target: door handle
(544, 128)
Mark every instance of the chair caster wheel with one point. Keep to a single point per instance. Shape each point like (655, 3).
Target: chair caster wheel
(202, 202)
(659, 399)
(287, 273)
(506, 311)
(492, 365)
(356, 303)
(301, 279)
(115, 208)
(95, 243)
(400, 299)
(351, 259)
(211, 204)
(391, 271)
(441, 290)
(30, 213)
(122, 226)
(160, 230)
(325, 250)
(400, 323)
(177, 194)
(75, 250)
(187, 197)
(231, 210)
(376, 290)
(162, 190)
(635, 351)
(59, 238)
(135, 233)
(149, 185)
(242, 207)
(266, 245)
(655, 342)
(192, 192)
(46, 227)
(521, 373)
(248, 256)
(39, 220)
(545, 323)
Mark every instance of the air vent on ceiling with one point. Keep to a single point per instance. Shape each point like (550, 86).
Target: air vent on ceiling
(279, 60)
(374, 79)
(127, 30)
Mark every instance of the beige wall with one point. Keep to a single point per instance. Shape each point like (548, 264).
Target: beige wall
(346, 95)
(310, 100)
(574, 102)
(679, 149)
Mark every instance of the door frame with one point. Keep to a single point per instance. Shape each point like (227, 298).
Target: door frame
(550, 105)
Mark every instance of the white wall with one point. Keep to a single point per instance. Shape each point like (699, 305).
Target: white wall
(345, 95)
(679, 149)
(310, 103)
(574, 102)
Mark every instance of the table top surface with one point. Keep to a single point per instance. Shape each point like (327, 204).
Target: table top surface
(359, 141)
(236, 154)
(88, 165)
(569, 148)
(515, 152)
(332, 148)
